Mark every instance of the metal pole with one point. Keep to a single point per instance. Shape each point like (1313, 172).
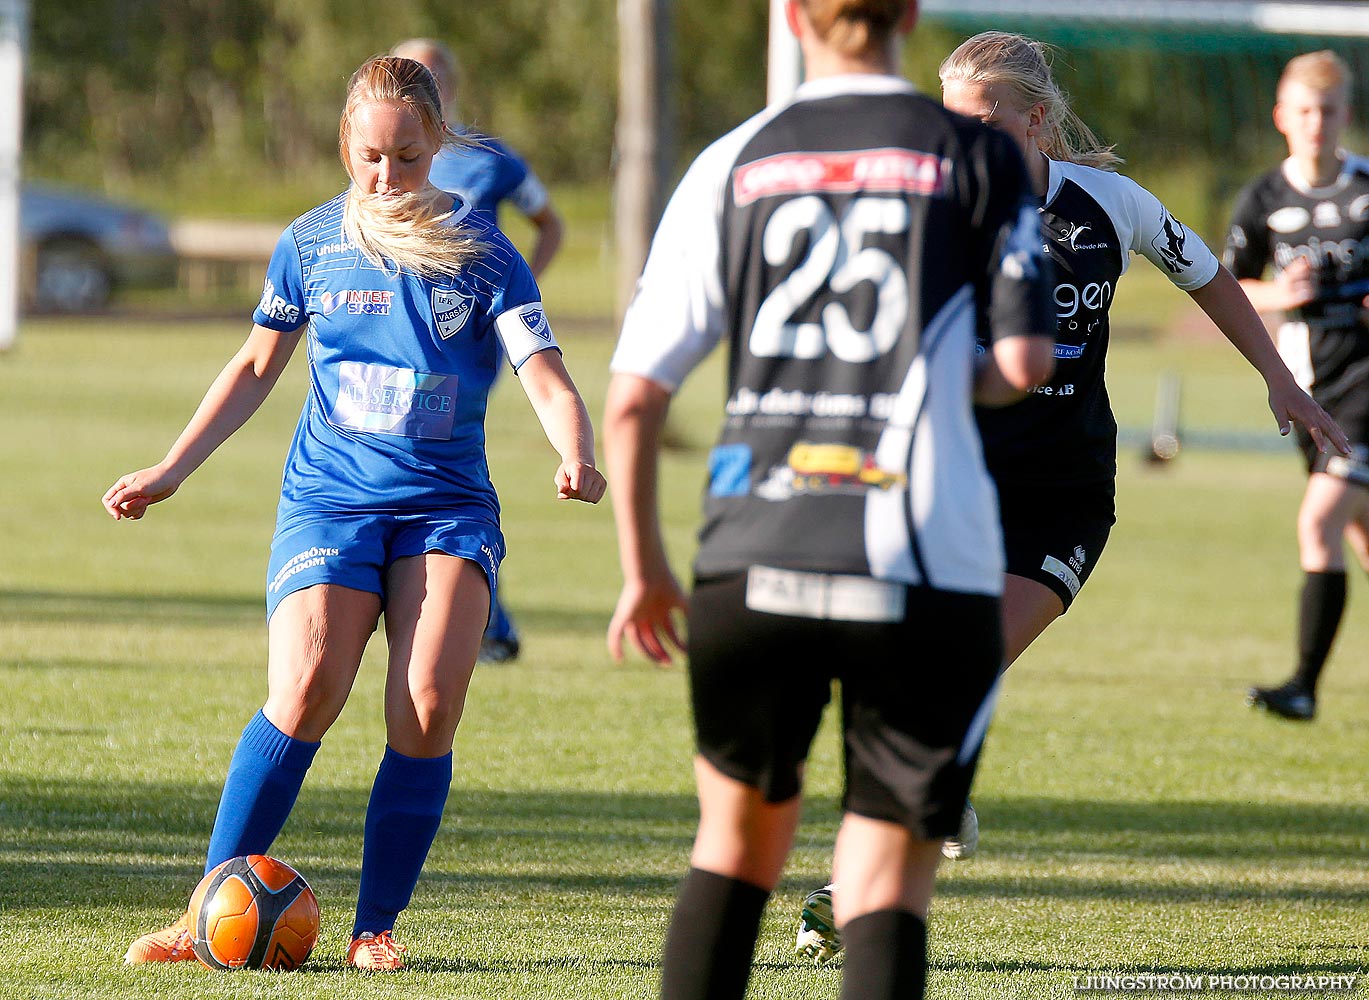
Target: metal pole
(13, 38)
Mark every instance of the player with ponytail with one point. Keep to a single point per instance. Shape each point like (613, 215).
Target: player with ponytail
(1054, 454)
(386, 512)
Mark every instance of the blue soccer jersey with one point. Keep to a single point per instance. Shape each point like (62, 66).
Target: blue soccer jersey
(486, 175)
(399, 369)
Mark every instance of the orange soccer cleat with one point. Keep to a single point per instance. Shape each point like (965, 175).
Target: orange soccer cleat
(171, 944)
(376, 952)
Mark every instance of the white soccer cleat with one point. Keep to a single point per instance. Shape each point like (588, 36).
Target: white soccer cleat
(962, 846)
(818, 937)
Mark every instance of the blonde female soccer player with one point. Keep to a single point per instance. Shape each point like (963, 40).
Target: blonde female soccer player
(1054, 454)
(386, 508)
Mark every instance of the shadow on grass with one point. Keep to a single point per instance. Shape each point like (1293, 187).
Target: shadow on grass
(60, 839)
(78, 609)
(437, 964)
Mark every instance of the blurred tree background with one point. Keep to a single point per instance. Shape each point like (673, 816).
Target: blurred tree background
(229, 107)
(233, 104)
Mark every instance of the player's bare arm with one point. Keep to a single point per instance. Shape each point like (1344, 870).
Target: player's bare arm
(634, 417)
(1294, 286)
(1225, 301)
(566, 422)
(550, 230)
(1014, 367)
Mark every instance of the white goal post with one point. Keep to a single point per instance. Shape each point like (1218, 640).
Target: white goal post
(784, 63)
(13, 38)
(784, 69)
(1286, 17)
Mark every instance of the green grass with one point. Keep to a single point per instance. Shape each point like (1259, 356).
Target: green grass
(1136, 816)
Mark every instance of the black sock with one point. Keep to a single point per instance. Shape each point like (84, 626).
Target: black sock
(1319, 613)
(886, 957)
(712, 935)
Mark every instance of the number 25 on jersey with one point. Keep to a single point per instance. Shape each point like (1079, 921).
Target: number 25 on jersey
(837, 261)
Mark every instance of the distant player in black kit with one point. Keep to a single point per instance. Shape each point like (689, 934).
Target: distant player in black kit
(1054, 455)
(1307, 221)
(847, 246)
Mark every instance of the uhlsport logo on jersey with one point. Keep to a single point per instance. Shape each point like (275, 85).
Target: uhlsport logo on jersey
(276, 307)
(535, 319)
(451, 310)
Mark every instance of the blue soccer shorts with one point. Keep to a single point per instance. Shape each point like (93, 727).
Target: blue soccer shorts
(356, 550)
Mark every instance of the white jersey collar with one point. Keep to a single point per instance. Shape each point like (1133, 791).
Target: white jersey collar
(853, 83)
(460, 209)
(1054, 178)
(1299, 183)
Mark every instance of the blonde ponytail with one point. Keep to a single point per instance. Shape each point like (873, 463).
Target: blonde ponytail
(410, 232)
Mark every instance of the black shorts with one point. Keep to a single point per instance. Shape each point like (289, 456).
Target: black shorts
(1354, 469)
(1055, 535)
(917, 693)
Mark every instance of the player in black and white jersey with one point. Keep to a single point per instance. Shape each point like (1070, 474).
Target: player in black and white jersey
(847, 246)
(1306, 224)
(1054, 455)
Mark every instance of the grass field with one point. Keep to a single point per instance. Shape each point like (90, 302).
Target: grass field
(1136, 816)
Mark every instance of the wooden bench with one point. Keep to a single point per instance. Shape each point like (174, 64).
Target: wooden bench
(221, 257)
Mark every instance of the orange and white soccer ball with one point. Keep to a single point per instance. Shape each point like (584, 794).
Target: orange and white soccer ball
(253, 912)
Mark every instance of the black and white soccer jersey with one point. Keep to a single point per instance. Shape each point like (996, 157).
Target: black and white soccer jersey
(848, 246)
(1092, 221)
(1280, 218)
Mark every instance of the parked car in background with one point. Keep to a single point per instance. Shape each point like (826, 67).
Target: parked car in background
(79, 249)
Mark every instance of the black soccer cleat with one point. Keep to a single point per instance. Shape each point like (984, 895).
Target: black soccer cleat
(1291, 701)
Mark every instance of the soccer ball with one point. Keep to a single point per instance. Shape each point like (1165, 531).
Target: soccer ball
(253, 912)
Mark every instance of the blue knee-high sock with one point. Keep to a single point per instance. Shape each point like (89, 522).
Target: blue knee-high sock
(401, 823)
(263, 782)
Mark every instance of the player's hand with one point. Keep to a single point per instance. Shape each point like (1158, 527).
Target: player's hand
(646, 615)
(580, 481)
(1298, 282)
(1293, 406)
(129, 498)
